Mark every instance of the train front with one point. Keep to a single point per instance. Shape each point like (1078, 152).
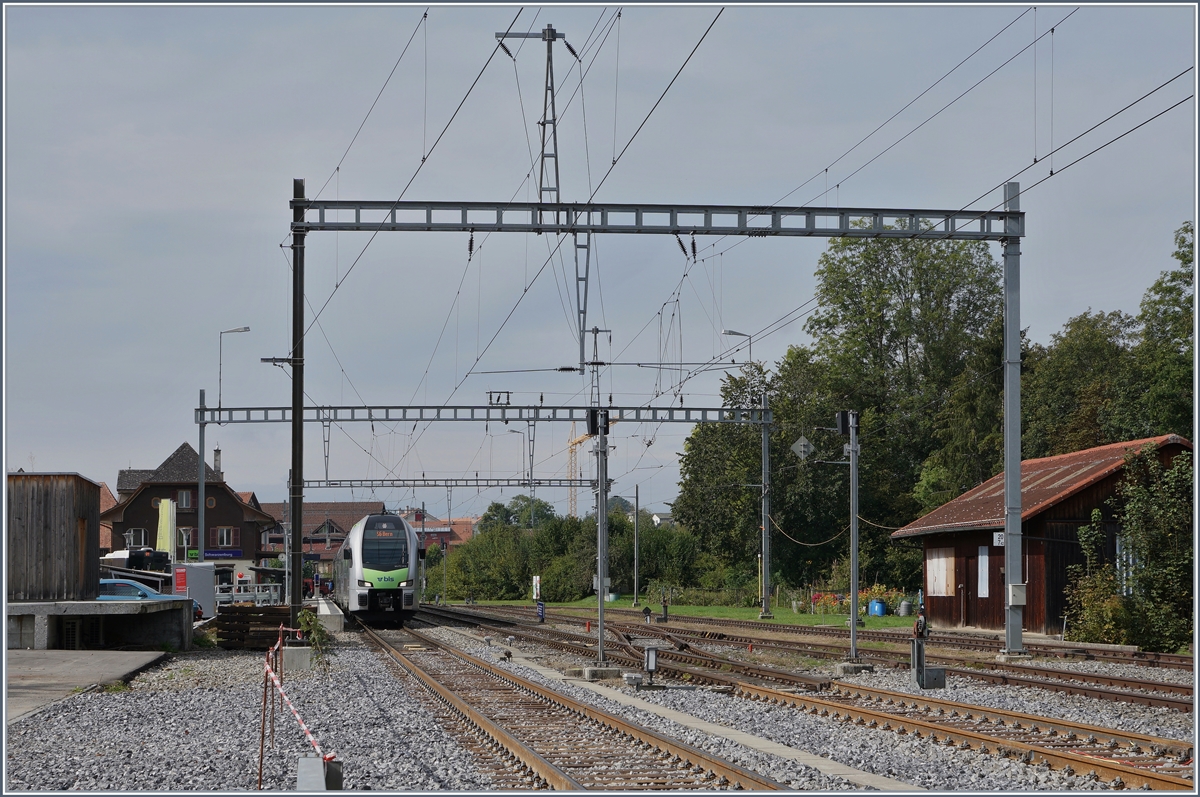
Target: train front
(387, 565)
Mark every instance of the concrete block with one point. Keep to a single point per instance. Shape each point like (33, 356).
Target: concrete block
(310, 773)
(852, 668)
(296, 659)
(599, 673)
(330, 616)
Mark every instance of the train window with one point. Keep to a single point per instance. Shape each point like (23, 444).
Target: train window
(380, 552)
(347, 553)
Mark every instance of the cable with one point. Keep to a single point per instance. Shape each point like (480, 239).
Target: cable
(453, 116)
(905, 108)
(947, 105)
(1081, 135)
(656, 103)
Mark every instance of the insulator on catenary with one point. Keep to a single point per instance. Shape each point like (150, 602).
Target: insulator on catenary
(471, 245)
(571, 49)
(682, 248)
(693, 248)
(507, 51)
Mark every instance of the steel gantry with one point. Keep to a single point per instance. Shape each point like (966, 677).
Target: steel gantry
(310, 215)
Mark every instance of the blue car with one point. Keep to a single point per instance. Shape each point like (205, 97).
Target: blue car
(125, 589)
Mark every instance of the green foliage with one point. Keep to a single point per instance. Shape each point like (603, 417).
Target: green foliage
(318, 638)
(1096, 611)
(1150, 605)
(204, 639)
(1155, 511)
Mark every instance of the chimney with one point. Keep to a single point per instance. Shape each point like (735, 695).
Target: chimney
(217, 464)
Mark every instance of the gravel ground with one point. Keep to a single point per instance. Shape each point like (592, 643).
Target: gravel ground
(885, 753)
(193, 724)
(797, 776)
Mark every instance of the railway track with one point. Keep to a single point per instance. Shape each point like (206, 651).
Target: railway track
(557, 742)
(958, 641)
(1178, 697)
(1119, 758)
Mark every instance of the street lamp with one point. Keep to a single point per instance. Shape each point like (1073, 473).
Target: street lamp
(220, 357)
(749, 338)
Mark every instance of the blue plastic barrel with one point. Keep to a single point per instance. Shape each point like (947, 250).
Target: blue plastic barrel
(878, 608)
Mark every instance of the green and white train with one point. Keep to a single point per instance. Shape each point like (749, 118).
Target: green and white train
(376, 567)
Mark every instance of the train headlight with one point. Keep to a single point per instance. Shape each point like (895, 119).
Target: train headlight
(366, 584)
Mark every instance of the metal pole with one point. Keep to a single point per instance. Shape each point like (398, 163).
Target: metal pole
(635, 544)
(601, 533)
(200, 489)
(532, 489)
(297, 360)
(853, 535)
(765, 613)
(421, 584)
(1014, 615)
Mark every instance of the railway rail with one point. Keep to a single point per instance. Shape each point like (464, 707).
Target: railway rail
(1178, 697)
(959, 641)
(562, 743)
(1120, 758)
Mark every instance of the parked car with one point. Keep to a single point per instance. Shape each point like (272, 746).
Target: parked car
(124, 589)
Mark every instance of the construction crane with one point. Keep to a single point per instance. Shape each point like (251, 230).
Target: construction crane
(573, 464)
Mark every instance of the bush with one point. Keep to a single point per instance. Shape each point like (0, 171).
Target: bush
(1096, 611)
(318, 638)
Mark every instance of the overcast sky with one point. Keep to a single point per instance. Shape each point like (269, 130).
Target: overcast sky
(150, 152)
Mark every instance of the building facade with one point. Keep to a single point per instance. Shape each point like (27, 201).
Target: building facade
(963, 540)
(233, 524)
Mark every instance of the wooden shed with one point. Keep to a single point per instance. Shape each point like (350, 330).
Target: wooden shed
(53, 529)
(963, 539)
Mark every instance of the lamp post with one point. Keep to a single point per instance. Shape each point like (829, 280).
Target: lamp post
(749, 338)
(220, 358)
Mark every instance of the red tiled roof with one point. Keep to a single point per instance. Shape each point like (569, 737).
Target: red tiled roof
(1044, 483)
(344, 513)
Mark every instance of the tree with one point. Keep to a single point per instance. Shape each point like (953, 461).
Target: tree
(1166, 350)
(896, 325)
(1155, 512)
(1071, 399)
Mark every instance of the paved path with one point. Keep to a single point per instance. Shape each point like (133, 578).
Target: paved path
(37, 678)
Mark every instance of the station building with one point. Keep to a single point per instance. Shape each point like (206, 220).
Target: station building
(963, 539)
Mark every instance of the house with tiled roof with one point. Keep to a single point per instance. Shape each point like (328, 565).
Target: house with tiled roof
(324, 528)
(107, 502)
(234, 524)
(963, 539)
(440, 532)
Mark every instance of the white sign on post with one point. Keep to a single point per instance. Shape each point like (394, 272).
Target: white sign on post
(802, 448)
(998, 539)
(537, 588)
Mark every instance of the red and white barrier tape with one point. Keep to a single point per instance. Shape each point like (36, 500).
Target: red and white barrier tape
(307, 733)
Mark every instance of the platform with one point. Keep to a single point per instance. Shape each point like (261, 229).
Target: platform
(38, 678)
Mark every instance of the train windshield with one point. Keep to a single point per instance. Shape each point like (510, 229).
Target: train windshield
(385, 545)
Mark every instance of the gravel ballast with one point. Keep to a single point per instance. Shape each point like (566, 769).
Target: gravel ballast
(194, 722)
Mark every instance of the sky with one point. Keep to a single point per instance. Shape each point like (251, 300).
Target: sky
(150, 152)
